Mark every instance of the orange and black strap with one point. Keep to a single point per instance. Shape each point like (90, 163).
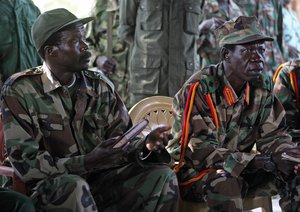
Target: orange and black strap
(293, 80)
(295, 86)
(277, 72)
(185, 130)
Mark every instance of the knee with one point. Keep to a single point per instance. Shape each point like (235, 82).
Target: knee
(15, 202)
(66, 191)
(74, 182)
(25, 204)
(165, 172)
(224, 184)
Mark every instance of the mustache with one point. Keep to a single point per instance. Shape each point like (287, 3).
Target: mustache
(86, 55)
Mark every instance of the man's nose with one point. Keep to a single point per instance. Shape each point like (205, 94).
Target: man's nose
(256, 55)
(84, 46)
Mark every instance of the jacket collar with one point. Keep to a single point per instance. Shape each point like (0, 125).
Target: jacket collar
(50, 83)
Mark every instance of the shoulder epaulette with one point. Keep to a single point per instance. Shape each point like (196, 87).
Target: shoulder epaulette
(27, 72)
(96, 73)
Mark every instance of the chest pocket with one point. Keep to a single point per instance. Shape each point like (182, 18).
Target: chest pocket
(51, 122)
(192, 17)
(95, 127)
(151, 15)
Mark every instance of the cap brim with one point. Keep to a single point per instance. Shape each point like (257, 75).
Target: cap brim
(79, 20)
(253, 38)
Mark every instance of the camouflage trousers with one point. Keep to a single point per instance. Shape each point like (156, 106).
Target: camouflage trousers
(223, 192)
(11, 201)
(130, 188)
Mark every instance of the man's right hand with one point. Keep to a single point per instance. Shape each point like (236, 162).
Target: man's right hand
(106, 64)
(104, 156)
(261, 161)
(287, 167)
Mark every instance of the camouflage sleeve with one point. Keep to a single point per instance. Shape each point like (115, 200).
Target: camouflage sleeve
(24, 138)
(128, 14)
(96, 30)
(98, 37)
(286, 95)
(22, 141)
(273, 135)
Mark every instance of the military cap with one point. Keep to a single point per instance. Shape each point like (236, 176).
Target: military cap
(52, 21)
(241, 30)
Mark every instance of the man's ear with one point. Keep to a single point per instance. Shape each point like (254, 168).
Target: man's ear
(224, 54)
(50, 50)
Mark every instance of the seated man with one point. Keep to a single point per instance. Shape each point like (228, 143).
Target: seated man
(220, 113)
(286, 88)
(61, 122)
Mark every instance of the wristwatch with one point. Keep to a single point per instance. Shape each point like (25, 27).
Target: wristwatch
(269, 166)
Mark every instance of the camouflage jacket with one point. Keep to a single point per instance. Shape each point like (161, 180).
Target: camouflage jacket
(240, 125)
(103, 41)
(288, 95)
(98, 33)
(48, 131)
(163, 35)
(17, 51)
(208, 47)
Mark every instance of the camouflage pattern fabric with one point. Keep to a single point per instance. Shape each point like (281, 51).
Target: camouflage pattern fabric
(48, 130)
(241, 30)
(268, 13)
(163, 35)
(241, 126)
(17, 51)
(286, 94)
(12, 201)
(208, 47)
(99, 41)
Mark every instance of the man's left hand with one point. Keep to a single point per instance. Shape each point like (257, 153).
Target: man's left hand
(106, 64)
(286, 166)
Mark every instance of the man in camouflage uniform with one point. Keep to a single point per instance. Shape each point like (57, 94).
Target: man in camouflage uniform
(61, 123)
(269, 15)
(216, 12)
(286, 88)
(109, 53)
(163, 36)
(220, 114)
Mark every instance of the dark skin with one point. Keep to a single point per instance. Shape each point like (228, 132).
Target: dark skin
(245, 63)
(71, 55)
